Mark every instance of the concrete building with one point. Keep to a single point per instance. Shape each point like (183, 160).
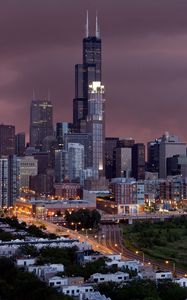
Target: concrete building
(7, 140)
(128, 194)
(177, 165)
(110, 277)
(25, 261)
(28, 166)
(170, 145)
(163, 275)
(76, 290)
(68, 190)
(123, 162)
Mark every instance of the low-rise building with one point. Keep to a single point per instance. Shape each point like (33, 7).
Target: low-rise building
(25, 261)
(163, 275)
(57, 281)
(114, 277)
(122, 264)
(76, 290)
(93, 296)
(181, 281)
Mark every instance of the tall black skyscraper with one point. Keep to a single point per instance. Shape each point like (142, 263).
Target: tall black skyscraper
(138, 161)
(85, 74)
(41, 121)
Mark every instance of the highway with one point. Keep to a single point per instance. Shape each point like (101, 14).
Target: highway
(114, 241)
(109, 240)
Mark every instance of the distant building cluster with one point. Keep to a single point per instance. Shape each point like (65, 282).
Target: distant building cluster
(63, 159)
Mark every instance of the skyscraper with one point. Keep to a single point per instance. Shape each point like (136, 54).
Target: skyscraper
(41, 121)
(96, 125)
(76, 161)
(7, 139)
(20, 143)
(85, 74)
(138, 161)
(170, 145)
(9, 180)
(110, 145)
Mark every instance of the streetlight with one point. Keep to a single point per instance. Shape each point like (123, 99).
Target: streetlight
(143, 256)
(173, 266)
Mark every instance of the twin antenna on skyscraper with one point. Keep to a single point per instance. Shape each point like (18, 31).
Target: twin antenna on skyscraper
(97, 29)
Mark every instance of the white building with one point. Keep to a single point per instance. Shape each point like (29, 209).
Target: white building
(161, 275)
(45, 271)
(57, 281)
(25, 262)
(76, 290)
(114, 277)
(28, 167)
(122, 264)
(8, 251)
(181, 281)
(93, 296)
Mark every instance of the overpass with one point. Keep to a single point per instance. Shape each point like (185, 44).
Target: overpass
(107, 218)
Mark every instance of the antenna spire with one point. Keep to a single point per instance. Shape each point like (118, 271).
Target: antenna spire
(87, 25)
(97, 30)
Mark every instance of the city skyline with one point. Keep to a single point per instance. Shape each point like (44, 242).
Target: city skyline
(144, 62)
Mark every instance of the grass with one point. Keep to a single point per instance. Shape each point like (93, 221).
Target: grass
(166, 240)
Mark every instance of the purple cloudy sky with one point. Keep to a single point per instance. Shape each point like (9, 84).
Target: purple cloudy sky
(144, 61)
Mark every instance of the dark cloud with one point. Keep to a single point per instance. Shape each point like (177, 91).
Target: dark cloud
(144, 61)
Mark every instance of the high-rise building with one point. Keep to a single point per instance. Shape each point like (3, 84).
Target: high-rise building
(170, 145)
(62, 128)
(153, 156)
(28, 167)
(123, 162)
(7, 140)
(20, 143)
(138, 161)
(61, 165)
(110, 145)
(122, 157)
(42, 184)
(129, 195)
(41, 121)
(177, 165)
(76, 161)
(84, 139)
(96, 125)
(85, 74)
(4, 182)
(9, 180)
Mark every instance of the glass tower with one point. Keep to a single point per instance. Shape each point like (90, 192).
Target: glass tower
(96, 125)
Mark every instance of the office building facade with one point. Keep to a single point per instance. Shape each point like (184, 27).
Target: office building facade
(41, 121)
(7, 140)
(96, 126)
